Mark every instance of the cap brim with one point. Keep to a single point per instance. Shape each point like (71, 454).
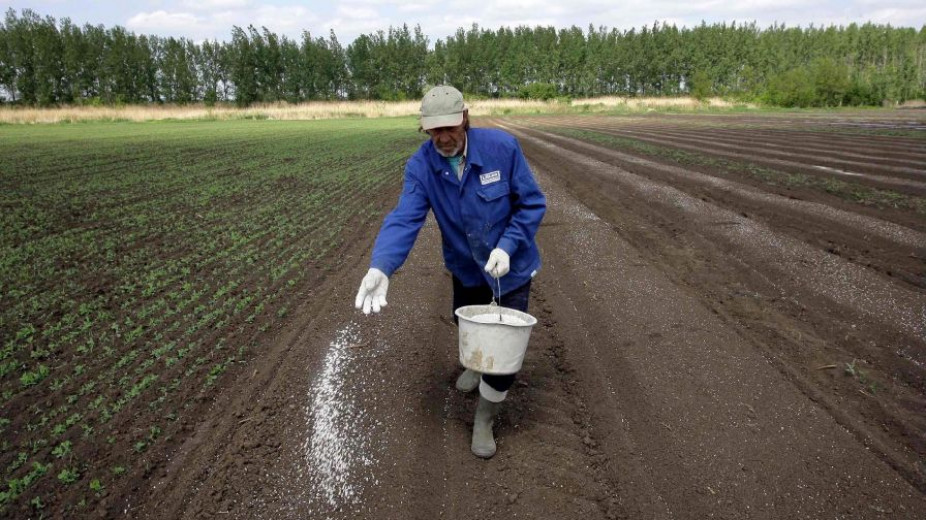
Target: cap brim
(430, 122)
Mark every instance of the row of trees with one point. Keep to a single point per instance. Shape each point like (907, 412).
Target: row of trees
(44, 62)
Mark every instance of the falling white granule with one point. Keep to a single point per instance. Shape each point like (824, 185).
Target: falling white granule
(334, 450)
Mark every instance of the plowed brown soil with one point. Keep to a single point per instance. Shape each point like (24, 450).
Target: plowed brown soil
(703, 350)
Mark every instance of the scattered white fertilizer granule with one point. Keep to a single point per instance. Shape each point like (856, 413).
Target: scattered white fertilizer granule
(337, 447)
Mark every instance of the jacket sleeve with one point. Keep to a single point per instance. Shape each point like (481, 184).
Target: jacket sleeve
(401, 226)
(529, 206)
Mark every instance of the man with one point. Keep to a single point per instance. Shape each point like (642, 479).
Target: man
(488, 207)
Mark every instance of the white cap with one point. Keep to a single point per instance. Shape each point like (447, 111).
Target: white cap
(442, 106)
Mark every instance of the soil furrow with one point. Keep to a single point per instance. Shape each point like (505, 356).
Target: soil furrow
(908, 180)
(689, 390)
(896, 251)
(682, 366)
(824, 128)
(867, 151)
(834, 279)
(761, 303)
(783, 130)
(876, 158)
(708, 142)
(887, 149)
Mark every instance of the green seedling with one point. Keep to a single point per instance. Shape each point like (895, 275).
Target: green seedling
(62, 449)
(229, 251)
(17, 463)
(34, 377)
(853, 370)
(68, 476)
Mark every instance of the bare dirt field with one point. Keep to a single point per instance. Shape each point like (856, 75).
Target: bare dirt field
(732, 324)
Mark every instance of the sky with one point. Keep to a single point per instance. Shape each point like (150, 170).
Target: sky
(213, 19)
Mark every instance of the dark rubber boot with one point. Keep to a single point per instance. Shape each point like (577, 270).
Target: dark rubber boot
(483, 440)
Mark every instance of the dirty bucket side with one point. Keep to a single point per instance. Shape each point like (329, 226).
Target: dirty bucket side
(491, 347)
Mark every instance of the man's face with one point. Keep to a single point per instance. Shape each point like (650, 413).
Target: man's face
(449, 140)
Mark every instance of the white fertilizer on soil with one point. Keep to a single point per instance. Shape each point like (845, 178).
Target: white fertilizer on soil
(335, 450)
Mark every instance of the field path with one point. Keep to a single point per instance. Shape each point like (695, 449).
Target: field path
(665, 379)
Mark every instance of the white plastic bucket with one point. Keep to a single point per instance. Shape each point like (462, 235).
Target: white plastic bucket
(490, 346)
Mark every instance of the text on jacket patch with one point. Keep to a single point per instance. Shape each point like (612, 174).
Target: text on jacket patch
(489, 178)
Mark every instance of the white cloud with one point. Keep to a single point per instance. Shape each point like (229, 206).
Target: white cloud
(349, 18)
(348, 29)
(162, 22)
(414, 7)
(357, 13)
(283, 19)
(897, 16)
(217, 24)
(209, 5)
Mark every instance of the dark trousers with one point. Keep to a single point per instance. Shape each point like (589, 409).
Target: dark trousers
(482, 295)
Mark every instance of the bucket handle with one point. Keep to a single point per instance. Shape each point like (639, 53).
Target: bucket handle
(498, 282)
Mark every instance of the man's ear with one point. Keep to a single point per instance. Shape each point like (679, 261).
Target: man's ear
(465, 116)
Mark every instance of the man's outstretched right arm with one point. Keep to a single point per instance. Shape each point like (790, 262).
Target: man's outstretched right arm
(394, 243)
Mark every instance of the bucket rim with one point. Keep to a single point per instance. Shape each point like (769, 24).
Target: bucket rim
(529, 320)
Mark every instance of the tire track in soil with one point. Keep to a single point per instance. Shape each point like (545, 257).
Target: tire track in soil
(885, 164)
(758, 143)
(867, 150)
(679, 201)
(889, 248)
(655, 409)
(807, 130)
(791, 341)
(891, 182)
(693, 407)
(781, 131)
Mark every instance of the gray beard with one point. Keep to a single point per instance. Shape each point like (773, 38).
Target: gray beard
(445, 154)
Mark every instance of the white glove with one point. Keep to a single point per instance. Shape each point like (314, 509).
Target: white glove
(372, 293)
(499, 263)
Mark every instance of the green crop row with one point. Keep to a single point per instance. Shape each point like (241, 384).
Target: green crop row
(139, 263)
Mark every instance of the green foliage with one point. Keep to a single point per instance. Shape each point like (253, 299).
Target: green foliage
(68, 476)
(701, 85)
(830, 81)
(541, 91)
(824, 83)
(861, 94)
(34, 377)
(214, 222)
(46, 62)
(793, 88)
(62, 449)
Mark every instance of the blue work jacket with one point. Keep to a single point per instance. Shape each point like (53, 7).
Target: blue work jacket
(497, 203)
